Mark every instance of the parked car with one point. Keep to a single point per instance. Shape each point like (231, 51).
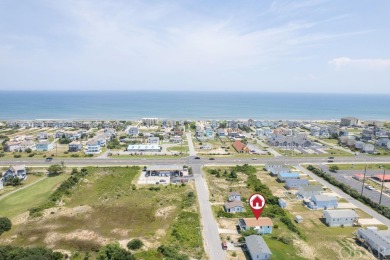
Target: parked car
(49, 159)
(197, 157)
(369, 187)
(212, 159)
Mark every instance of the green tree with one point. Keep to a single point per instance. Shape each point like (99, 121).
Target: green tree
(55, 170)
(5, 225)
(114, 252)
(135, 244)
(334, 168)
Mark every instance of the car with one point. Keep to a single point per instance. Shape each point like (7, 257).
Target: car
(49, 159)
(163, 181)
(197, 157)
(212, 159)
(254, 159)
(369, 187)
(331, 158)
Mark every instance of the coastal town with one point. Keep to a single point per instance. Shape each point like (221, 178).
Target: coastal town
(318, 176)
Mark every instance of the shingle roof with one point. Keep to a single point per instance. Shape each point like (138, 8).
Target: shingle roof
(253, 222)
(341, 213)
(324, 197)
(239, 146)
(234, 193)
(233, 204)
(311, 188)
(256, 245)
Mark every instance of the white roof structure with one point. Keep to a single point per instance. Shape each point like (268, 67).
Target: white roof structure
(143, 147)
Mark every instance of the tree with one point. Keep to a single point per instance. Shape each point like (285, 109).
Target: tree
(114, 252)
(135, 244)
(334, 168)
(5, 225)
(55, 170)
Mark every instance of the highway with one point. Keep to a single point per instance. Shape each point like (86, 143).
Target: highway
(191, 160)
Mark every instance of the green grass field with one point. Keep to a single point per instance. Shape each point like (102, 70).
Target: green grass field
(106, 206)
(32, 196)
(361, 167)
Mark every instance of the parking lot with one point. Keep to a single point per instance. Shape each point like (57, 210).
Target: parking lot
(346, 176)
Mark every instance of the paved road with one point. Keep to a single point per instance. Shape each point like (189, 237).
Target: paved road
(210, 232)
(339, 192)
(190, 144)
(270, 149)
(191, 160)
(346, 177)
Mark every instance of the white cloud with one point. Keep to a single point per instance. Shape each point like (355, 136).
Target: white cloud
(367, 64)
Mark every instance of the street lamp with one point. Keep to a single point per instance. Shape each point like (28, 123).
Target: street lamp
(364, 178)
(383, 181)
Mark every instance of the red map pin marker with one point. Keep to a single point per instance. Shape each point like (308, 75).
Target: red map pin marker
(257, 203)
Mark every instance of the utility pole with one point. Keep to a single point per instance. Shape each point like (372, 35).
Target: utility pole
(383, 181)
(364, 178)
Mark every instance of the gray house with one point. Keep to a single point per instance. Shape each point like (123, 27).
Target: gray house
(17, 171)
(282, 203)
(277, 170)
(234, 196)
(294, 184)
(342, 217)
(269, 166)
(257, 247)
(234, 207)
(309, 191)
(377, 241)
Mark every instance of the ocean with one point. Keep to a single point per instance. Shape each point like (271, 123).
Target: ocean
(117, 105)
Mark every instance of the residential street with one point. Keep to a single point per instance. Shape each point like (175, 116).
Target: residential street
(210, 232)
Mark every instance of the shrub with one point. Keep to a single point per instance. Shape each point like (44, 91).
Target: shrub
(5, 225)
(17, 155)
(135, 244)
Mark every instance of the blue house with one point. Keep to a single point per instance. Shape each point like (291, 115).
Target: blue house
(294, 184)
(44, 146)
(323, 202)
(282, 203)
(282, 177)
(17, 171)
(262, 225)
(234, 206)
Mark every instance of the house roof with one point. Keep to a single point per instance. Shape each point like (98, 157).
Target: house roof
(341, 213)
(379, 239)
(239, 146)
(311, 188)
(18, 167)
(256, 245)
(297, 181)
(253, 222)
(323, 198)
(171, 167)
(381, 177)
(280, 169)
(288, 174)
(143, 147)
(233, 204)
(234, 193)
(75, 143)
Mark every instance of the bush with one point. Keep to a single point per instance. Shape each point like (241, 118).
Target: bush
(14, 252)
(114, 252)
(135, 244)
(5, 225)
(17, 155)
(55, 170)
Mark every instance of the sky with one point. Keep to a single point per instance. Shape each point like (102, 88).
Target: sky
(203, 45)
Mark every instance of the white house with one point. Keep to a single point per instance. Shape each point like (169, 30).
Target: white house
(309, 191)
(341, 217)
(133, 130)
(44, 146)
(93, 147)
(234, 196)
(153, 140)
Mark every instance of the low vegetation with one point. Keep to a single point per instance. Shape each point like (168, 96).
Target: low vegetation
(9, 252)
